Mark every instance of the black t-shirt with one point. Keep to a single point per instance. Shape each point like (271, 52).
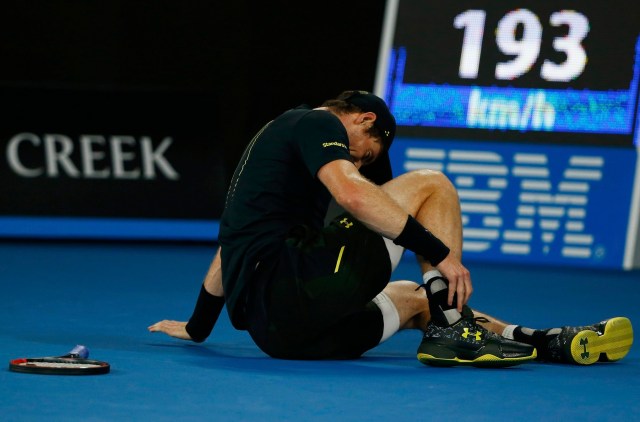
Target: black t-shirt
(273, 189)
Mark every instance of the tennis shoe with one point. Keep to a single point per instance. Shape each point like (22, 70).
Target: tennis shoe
(465, 342)
(606, 341)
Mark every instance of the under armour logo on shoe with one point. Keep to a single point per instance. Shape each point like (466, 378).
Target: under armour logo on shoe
(346, 223)
(477, 334)
(583, 343)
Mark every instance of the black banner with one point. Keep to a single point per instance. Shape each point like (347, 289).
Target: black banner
(115, 154)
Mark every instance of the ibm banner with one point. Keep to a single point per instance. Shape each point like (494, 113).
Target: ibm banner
(105, 164)
(531, 109)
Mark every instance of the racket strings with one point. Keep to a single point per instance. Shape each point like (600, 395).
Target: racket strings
(59, 364)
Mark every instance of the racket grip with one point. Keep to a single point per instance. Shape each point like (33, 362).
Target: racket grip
(79, 351)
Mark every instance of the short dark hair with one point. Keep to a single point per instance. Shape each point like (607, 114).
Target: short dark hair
(340, 106)
(355, 101)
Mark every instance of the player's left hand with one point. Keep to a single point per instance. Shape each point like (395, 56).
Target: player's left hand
(175, 329)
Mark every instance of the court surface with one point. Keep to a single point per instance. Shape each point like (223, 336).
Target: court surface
(56, 295)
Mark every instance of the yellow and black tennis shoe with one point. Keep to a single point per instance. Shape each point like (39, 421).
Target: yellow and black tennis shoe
(467, 343)
(606, 341)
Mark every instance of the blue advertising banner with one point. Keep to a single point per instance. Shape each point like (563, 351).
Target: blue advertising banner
(532, 203)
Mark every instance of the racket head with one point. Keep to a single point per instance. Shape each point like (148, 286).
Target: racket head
(59, 366)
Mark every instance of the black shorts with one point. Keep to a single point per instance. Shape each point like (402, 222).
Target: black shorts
(315, 301)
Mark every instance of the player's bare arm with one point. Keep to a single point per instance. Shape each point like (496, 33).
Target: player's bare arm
(377, 210)
(212, 284)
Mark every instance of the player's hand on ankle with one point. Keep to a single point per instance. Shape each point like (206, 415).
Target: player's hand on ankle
(459, 280)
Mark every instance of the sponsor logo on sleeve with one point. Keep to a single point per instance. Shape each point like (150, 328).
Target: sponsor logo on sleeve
(334, 144)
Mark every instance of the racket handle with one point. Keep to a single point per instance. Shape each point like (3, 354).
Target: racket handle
(79, 351)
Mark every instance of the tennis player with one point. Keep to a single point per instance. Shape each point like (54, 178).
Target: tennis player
(306, 288)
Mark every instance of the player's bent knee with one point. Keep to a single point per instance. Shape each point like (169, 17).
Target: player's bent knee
(426, 180)
(435, 178)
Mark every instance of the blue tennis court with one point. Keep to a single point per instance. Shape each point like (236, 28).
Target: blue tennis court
(104, 295)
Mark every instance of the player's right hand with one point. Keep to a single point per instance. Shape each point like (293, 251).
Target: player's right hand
(175, 329)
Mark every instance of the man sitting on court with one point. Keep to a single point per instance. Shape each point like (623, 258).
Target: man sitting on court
(304, 289)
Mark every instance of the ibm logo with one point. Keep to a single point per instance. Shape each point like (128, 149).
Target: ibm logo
(516, 202)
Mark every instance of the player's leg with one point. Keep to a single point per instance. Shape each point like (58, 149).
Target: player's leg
(450, 338)
(609, 340)
(413, 308)
(431, 198)
(606, 341)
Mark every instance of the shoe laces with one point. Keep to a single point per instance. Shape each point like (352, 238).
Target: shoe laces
(474, 320)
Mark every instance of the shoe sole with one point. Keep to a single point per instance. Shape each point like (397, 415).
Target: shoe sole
(588, 347)
(484, 361)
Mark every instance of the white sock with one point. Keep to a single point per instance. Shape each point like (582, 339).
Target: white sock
(430, 274)
(508, 331)
(390, 316)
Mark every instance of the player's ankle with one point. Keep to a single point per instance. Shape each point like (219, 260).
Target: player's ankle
(437, 290)
(539, 339)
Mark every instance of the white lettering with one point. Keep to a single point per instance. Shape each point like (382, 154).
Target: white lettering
(544, 115)
(498, 112)
(61, 157)
(90, 156)
(476, 115)
(151, 156)
(118, 157)
(13, 156)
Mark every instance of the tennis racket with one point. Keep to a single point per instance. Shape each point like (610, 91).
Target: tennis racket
(73, 363)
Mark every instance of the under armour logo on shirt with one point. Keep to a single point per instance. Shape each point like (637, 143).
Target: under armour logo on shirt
(345, 221)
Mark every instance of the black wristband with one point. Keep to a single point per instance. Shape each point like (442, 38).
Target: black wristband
(420, 240)
(205, 315)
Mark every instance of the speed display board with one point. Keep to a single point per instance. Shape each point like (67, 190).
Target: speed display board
(531, 109)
